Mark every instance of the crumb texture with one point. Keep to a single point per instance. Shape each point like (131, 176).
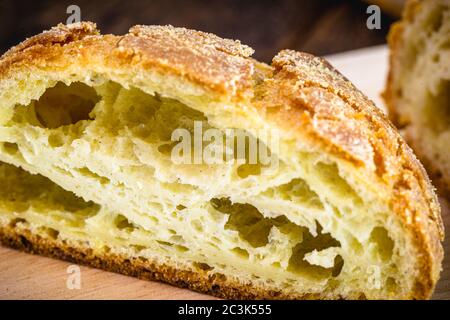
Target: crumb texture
(87, 172)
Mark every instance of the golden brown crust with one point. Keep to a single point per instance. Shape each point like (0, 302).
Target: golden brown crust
(308, 95)
(218, 64)
(59, 35)
(213, 284)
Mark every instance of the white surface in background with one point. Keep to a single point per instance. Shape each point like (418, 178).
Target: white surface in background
(366, 68)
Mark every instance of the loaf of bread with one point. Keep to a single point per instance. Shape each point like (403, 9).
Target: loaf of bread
(87, 122)
(418, 87)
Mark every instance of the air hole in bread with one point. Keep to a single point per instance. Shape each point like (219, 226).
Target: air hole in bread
(337, 267)
(299, 191)
(165, 243)
(10, 148)
(276, 265)
(355, 245)
(55, 140)
(151, 118)
(384, 243)
(49, 232)
(240, 252)
(314, 244)
(177, 239)
(252, 165)
(166, 148)
(436, 58)
(202, 266)
(16, 221)
(138, 248)
(445, 45)
(25, 190)
(122, 223)
(329, 174)
(181, 248)
(197, 225)
(154, 219)
(412, 52)
(88, 173)
(434, 21)
(64, 105)
(391, 284)
(248, 221)
(246, 170)
(437, 108)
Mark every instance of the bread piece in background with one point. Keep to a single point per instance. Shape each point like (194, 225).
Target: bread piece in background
(348, 212)
(418, 86)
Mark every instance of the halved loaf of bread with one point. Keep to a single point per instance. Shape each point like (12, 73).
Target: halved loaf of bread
(418, 87)
(87, 122)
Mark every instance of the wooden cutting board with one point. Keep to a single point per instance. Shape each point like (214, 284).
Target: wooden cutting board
(33, 277)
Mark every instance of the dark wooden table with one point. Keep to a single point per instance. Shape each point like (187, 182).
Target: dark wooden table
(316, 26)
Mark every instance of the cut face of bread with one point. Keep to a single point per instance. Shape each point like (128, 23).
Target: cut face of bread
(418, 90)
(342, 209)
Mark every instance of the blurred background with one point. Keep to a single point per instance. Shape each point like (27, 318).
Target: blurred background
(317, 26)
